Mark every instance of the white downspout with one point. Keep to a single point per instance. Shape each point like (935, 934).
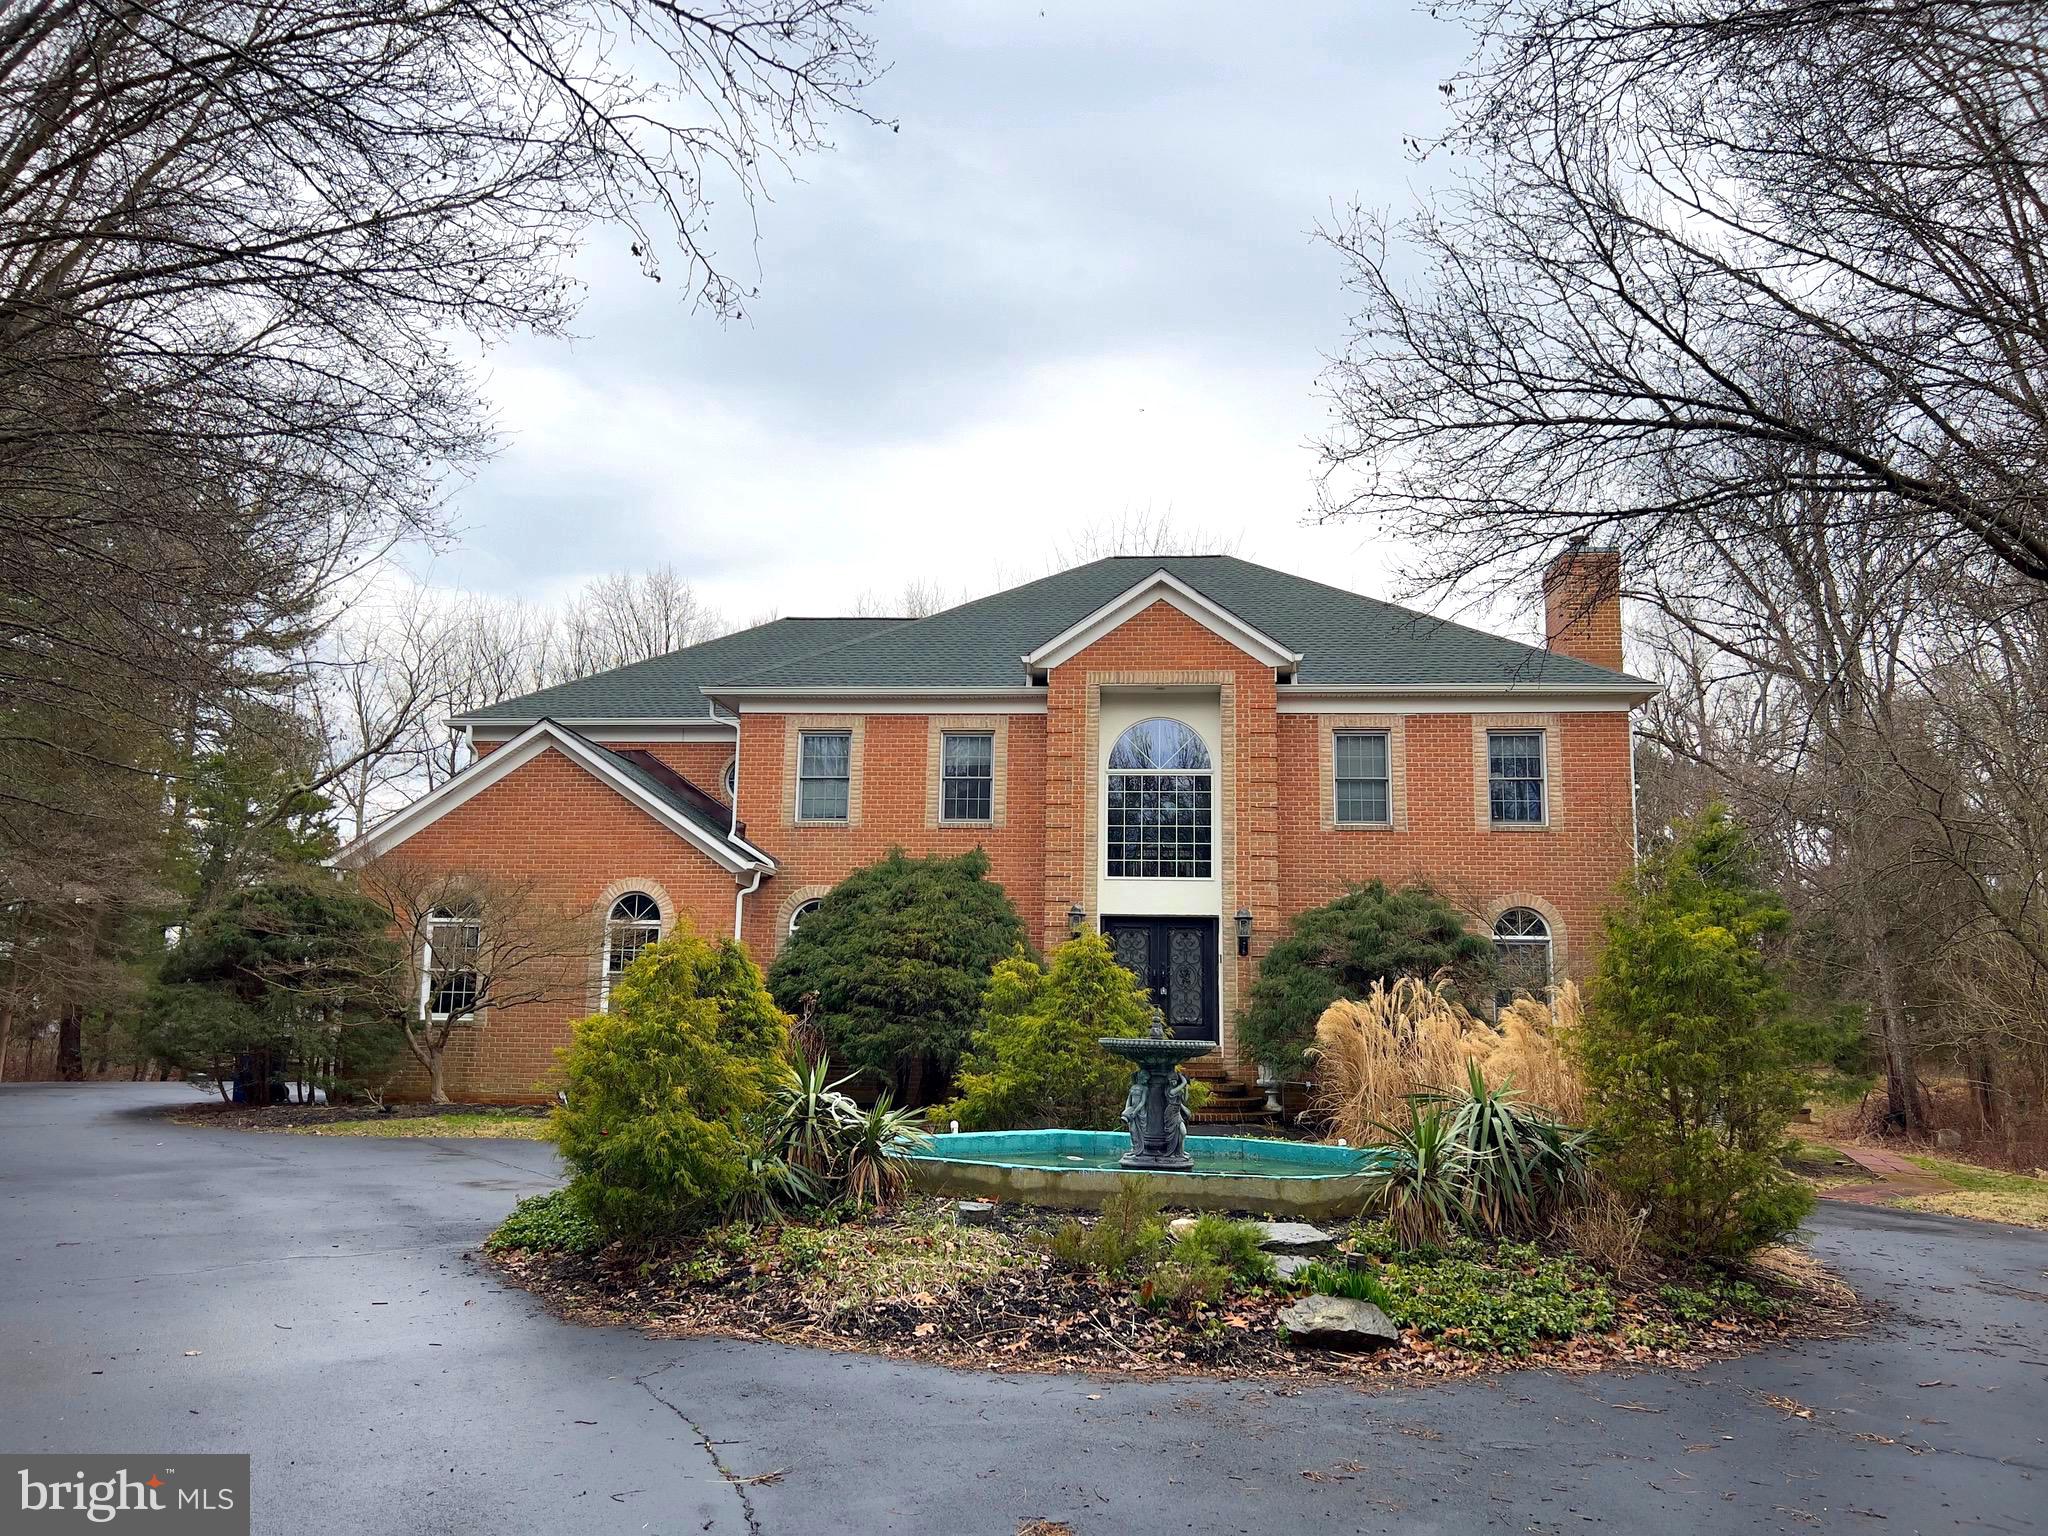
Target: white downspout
(739, 899)
(733, 821)
(740, 893)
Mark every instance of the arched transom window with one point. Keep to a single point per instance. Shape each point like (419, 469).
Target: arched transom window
(804, 910)
(1160, 784)
(1521, 943)
(633, 923)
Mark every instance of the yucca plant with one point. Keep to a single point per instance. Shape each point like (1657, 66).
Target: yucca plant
(810, 1121)
(878, 1146)
(771, 1189)
(1423, 1182)
(1522, 1165)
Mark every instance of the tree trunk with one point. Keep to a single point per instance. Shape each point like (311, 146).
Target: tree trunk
(437, 1078)
(71, 1045)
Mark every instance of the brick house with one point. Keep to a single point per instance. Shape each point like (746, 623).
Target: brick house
(1182, 751)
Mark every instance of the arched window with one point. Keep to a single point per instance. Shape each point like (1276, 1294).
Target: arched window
(633, 924)
(732, 780)
(1159, 803)
(449, 980)
(1521, 943)
(804, 910)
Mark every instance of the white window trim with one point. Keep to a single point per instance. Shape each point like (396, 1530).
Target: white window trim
(798, 912)
(1337, 816)
(830, 821)
(613, 925)
(1542, 725)
(1111, 774)
(968, 821)
(427, 967)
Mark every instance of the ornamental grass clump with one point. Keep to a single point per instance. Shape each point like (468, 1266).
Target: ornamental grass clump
(1411, 1036)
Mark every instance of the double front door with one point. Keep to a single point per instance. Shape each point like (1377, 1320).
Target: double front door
(1175, 957)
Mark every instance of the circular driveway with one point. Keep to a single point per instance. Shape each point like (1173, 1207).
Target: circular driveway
(383, 1382)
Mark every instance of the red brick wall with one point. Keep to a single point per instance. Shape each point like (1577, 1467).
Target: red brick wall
(550, 819)
(894, 793)
(701, 762)
(1582, 606)
(1571, 866)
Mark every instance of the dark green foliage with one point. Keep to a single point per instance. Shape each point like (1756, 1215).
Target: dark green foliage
(661, 1090)
(899, 954)
(550, 1223)
(297, 968)
(1209, 1261)
(1504, 1299)
(1035, 1062)
(1320, 1279)
(1338, 951)
(1714, 1297)
(1692, 1053)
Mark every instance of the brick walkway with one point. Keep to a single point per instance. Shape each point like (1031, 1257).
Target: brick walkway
(1893, 1177)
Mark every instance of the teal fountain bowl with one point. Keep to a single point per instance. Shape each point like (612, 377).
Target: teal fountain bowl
(1079, 1169)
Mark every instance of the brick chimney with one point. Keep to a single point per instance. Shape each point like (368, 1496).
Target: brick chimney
(1582, 605)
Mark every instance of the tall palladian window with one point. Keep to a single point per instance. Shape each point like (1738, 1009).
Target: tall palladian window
(1160, 793)
(633, 924)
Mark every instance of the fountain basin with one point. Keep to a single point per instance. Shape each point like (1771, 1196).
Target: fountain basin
(1079, 1170)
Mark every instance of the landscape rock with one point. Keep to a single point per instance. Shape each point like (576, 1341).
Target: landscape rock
(1337, 1322)
(1292, 1237)
(975, 1213)
(1180, 1227)
(1288, 1265)
(1947, 1138)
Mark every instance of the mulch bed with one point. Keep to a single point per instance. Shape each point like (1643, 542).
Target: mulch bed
(280, 1117)
(1038, 1316)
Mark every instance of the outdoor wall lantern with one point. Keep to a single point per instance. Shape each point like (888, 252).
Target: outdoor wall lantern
(1244, 931)
(1076, 916)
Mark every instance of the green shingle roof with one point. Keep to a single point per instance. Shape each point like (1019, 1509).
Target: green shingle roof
(671, 687)
(1344, 639)
(718, 826)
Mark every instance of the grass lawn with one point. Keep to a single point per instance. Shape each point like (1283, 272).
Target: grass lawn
(479, 1123)
(1985, 1194)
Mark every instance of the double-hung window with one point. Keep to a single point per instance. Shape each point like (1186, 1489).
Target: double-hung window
(967, 763)
(1364, 797)
(449, 981)
(824, 775)
(1514, 778)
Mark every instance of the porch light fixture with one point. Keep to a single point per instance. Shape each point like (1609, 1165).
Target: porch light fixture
(1076, 916)
(1244, 931)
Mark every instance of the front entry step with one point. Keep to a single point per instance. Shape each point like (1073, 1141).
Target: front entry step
(1232, 1101)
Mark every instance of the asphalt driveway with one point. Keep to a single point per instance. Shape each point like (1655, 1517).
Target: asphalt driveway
(382, 1383)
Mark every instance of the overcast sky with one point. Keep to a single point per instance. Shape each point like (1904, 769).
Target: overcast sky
(1078, 283)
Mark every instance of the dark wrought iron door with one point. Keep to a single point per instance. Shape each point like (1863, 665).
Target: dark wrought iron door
(1175, 958)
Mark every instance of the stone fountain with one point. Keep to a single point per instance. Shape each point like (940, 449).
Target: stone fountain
(1156, 1111)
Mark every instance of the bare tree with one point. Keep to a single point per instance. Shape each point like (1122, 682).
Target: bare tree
(237, 244)
(1139, 531)
(1671, 235)
(471, 944)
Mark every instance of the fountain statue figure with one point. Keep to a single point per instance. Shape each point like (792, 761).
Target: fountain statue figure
(1156, 1109)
